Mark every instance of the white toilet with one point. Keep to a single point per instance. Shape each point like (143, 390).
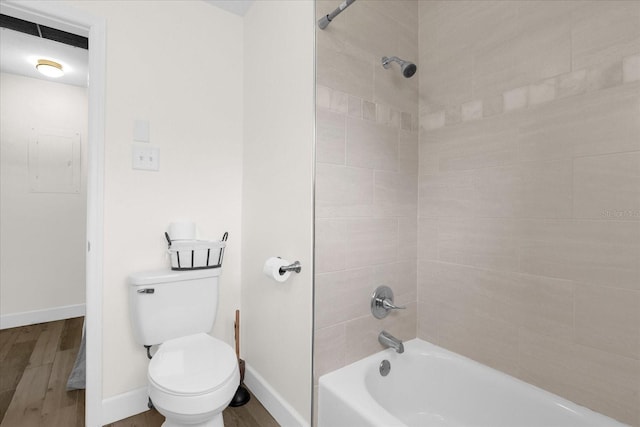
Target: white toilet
(192, 376)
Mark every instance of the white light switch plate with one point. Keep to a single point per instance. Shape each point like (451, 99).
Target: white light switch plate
(141, 130)
(146, 158)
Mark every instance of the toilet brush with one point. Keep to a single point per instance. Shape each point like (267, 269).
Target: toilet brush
(242, 395)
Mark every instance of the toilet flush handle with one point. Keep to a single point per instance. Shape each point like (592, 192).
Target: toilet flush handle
(146, 291)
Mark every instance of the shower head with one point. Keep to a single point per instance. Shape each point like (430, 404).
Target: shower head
(408, 68)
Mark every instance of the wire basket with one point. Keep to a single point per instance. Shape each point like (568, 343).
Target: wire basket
(196, 254)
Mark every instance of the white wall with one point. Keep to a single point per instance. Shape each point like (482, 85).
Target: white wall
(277, 198)
(42, 235)
(179, 65)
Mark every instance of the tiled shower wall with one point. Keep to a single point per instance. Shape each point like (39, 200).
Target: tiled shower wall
(366, 178)
(529, 192)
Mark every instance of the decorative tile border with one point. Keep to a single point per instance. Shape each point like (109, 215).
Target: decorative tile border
(568, 84)
(347, 104)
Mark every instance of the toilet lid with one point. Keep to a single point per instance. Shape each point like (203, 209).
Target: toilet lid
(195, 364)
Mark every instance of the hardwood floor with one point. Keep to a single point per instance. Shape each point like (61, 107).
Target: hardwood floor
(35, 362)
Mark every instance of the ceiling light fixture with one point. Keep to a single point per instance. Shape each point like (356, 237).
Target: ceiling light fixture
(49, 68)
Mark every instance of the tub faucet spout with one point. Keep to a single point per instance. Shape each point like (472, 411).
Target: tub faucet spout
(388, 340)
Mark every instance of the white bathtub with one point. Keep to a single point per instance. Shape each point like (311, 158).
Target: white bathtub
(430, 386)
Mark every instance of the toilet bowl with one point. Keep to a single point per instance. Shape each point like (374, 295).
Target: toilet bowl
(192, 379)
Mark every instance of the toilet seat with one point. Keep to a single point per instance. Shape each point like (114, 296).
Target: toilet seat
(192, 366)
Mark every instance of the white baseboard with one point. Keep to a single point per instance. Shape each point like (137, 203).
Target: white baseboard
(39, 316)
(273, 402)
(134, 402)
(124, 405)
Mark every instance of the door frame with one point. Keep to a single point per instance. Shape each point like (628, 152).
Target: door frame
(64, 17)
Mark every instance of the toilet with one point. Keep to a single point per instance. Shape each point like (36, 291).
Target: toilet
(192, 376)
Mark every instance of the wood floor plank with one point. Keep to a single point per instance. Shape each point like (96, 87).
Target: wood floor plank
(25, 407)
(57, 397)
(7, 339)
(47, 344)
(5, 400)
(80, 411)
(14, 364)
(63, 417)
(71, 334)
(29, 333)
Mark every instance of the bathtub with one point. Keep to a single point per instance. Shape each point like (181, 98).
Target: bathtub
(430, 386)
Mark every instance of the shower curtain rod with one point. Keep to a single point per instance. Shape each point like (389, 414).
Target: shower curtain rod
(324, 21)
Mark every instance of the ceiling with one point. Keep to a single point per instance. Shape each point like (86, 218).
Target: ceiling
(20, 52)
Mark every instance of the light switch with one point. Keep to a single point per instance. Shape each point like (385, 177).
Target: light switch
(141, 130)
(146, 158)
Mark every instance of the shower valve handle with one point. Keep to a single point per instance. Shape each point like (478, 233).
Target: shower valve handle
(388, 304)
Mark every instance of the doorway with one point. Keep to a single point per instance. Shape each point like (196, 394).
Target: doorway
(68, 19)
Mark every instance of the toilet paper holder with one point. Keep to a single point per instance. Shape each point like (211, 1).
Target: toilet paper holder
(296, 267)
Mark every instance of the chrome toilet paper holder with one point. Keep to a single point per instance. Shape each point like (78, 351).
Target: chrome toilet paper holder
(295, 267)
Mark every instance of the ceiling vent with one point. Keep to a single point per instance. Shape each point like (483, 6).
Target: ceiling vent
(41, 31)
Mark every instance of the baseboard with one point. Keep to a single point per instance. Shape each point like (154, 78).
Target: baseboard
(134, 402)
(124, 405)
(39, 316)
(279, 408)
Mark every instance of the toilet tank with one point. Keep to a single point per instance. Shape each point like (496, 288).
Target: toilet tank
(168, 304)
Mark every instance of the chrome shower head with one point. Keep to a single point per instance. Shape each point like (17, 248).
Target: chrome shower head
(408, 68)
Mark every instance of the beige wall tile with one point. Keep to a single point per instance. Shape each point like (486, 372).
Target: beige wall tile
(489, 341)
(516, 99)
(408, 153)
(330, 245)
(608, 319)
(492, 105)
(477, 144)
(369, 111)
(371, 145)
(323, 97)
(395, 194)
(603, 31)
(594, 123)
(604, 75)
(343, 71)
(573, 83)
(447, 195)
(371, 241)
(452, 114)
(472, 110)
(546, 305)
(543, 91)
(607, 187)
(486, 243)
(545, 189)
(329, 350)
(597, 252)
(339, 102)
(407, 238)
(427, 239)
(343, 191)
(433, 120)
(343, 295)
(497, 192)
(330, 137)
(355, 107)
(599, 380)
(631, 69)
